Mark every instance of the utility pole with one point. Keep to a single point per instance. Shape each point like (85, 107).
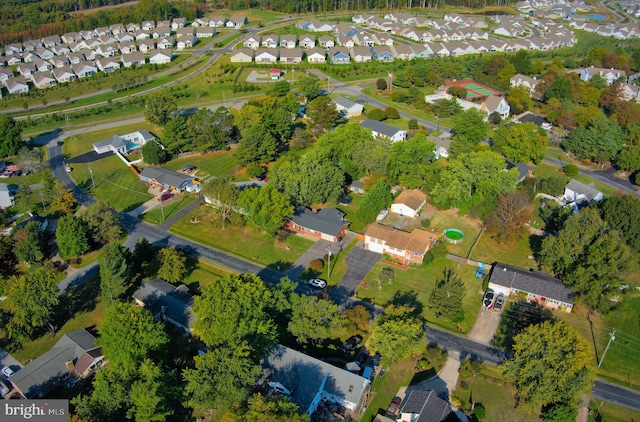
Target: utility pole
(612, 337)
(328, 262)
(93, 184)
(67, 119)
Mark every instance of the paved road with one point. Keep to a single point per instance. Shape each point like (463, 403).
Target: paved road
(616, 394)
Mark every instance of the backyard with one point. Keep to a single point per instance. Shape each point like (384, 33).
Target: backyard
(449, 219)
(203, 275)
(218, 164)
(422, 281)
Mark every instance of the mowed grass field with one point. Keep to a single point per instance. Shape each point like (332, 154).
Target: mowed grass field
(218, 164)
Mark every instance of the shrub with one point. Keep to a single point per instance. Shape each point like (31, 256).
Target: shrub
(376, 114)
(381, 84)
(571, 170)
(391, 113)
(254, 170)
(425, 223)
(553, 185)
(413, 124)
(479, 411)
(316, 264)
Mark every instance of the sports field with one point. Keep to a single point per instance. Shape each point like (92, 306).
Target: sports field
(474, 89)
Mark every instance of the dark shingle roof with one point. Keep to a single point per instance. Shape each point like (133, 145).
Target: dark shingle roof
(380, 128)
(427, 405)
(535, 282)
(328, 220)
(165, 177)
(158, 295)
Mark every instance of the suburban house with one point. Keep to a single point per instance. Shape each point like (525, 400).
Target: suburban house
(425, 406)
(539, 287)
(409, 203)
(496, 104)
(383, 129)
(161, 57)
(165, 43)
(133, 59)
(252, 42)
(84, 69)
(339, 55)
(147, 45)
(205, 32)
(307, 380)
(405, 247)
(166, 179)
(523, 169)
(525, 81)
(167, 302)
(442, 146)
(267, 41)
(291, 55)
(327, 223)
(237, 21)
(609, 75)
(107, 64)
(361, 54)
(123, 143)
(326, 41)
(348, 108)
(316, 55)
(242, 55)
(267, 55)
(579, 194)
(288, 41)
(75, 356)
(186, 42)
(43, 80)
(63, 74)
(6, 198)
(307, 41)
(17, 85)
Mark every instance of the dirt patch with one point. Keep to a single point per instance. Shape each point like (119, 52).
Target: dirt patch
(485, 327)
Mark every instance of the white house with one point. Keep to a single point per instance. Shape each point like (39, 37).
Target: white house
(242, 55)
(252, 42)
(161, 57)
(43, 80)
(17, 85)
(133, 59)
(316, 55)
(108, 64)
(6, 198)
(384, 130)
(525, 81)
(409, 203)
(496, 104)
(186, 42)
(579, 194)
(609, 75)
(124, 143)
(84, 69)
(267, 55)
(348, 108)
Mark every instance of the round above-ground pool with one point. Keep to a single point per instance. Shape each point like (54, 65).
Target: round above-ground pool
(453, 236)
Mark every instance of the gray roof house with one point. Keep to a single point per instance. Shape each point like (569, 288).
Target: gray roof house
(348, 108)
(123, 143)
(539, 287)
(6, 198)
(579, 194)
(75, 355)
(327, 223)
(167, 179)
(307, 380)
(167, 302)
(383, 129)
(424, 406)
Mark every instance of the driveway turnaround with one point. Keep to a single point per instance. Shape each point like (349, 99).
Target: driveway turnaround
(359, 263)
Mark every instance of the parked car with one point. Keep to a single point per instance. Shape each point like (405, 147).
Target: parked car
(317, 283)
(394, 407)
(499, 303)
(488, 299)
(165, 196)
(7, 371)
(351, 343)
(480, 272)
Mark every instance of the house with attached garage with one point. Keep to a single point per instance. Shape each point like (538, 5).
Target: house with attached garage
(384, 130)
(288, 41)
(326, 41)
(268, 55)
(361, 54)
(579, 195)
(526, 81)
(167, 302)
(166, 179)
(161, 56)
(147, 45)
(186, 42)
(306, 380)
(6, 74)
(327, 223)
(292, 56)
(43, 80)
(6, 197)
(108, 64)
(539, 287)
(339, 55)
(165, 43)
(409, 203)
(267, 41)
(237, 21)
(404, 247)
(205, 32)
(307, 41)
(609, 75)
(252, 41)
(242, 55)
(123, 143)
(75, 356)
(133, 59)
(348, 108)
(84, 69)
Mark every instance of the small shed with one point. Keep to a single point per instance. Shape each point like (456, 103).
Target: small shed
(357, 187)
(275, 74)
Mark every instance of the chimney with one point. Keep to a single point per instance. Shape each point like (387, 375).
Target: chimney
(70, 367)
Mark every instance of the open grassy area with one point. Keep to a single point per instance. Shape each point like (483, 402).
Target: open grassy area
(543, 170)
(218, 163)
(356, 225)
(515, 252)
(449, 219)
(620, 365)
(79, 144)
(490, 389)
(241, 241)
(203, 275)
(604, 411)
(422, 280)
(170, 208)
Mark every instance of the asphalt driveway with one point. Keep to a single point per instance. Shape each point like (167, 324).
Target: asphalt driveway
(359, 263)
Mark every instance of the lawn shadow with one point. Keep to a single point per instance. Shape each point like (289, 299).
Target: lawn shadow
(280, 265)
(535, 243)
(409, 299)
(83, 298)
(515, 318)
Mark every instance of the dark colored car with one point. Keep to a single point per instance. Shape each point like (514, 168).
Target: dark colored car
(499, 303)
(165, 196)
(488, 299)
(394, 407)
(351, 343)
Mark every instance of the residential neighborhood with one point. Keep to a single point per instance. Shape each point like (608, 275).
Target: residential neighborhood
(331, 213)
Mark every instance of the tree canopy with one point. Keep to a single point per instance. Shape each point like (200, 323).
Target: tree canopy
(104, 223)
(71, 236)
(10, 136)
(314, 319)
(378, 198)
(623, 213)
(173, 267)
(551, 364)
(114, 271)
(153, 153)
(447, 296)
(265, 207)
(223, 195)
(397, 334)
(322, 114)
(520, 142)
(160, 108)
(469, 130)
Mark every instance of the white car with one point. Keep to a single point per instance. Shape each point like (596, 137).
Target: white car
(319, 283)
(7, 371)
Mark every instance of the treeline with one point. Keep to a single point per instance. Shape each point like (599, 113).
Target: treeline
(41, 19)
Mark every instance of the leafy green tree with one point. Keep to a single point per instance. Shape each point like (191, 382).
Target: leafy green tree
(381, 84)
(458, 92)
(279, 89)
(410, 162)
(267, 409)
(62, 198)
(376, 114)
(391, 113)
(447, 295)
(551, 363)
(109, 398)
(628, 159)
(446, 108)
(314, 319)
(114, 271)
(553, 185)
(175, 136)
(322, 114)
(265, 207)
(522, 62)
(470, 129)
(374, 201)
(623, 213)
(10, 136)
(129, 334)
(222, 376)
(149, 394)
(560, 88)
(206, 132)
(29, 243)
(560, 412)
(521, 142)
(308, 87)
(519, 99)
(173, 267)
(223, 196)
(30, 301)
(233, 310)
(159, 108)
(359, 318)
(104, 223)
(153, 153)
(589, 256)
(71, 236)
(397, 334)
(257, 145)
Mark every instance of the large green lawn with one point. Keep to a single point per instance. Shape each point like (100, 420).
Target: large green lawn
(169, 208)
(79, 144)
(422, 280)
(605, 411)
(203, 275)
(517, 252)
(219, 164)
(241, 241)
(449, 219)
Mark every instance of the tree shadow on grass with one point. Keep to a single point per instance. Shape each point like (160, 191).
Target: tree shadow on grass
(515, 318)
(535, 243)
(83, 298)
(409, 299)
